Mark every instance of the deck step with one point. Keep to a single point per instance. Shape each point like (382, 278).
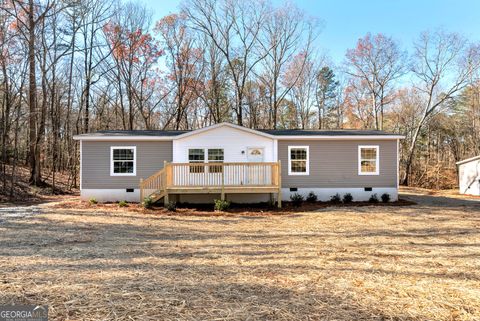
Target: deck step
(156, 196)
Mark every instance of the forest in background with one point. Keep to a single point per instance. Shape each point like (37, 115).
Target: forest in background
(76, 66)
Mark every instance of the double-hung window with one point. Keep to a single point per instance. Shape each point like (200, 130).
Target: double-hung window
(298, 160)
(368, 160)
(123, 161)
(215, 155)
(196, 155)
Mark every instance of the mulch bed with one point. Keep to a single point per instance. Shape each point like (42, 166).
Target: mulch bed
(260, 209)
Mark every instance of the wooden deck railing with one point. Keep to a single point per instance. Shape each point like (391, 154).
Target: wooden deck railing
(212, 175)
(222, 174)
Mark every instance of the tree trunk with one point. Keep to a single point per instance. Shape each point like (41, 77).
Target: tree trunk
(411, 152)
(35, 175)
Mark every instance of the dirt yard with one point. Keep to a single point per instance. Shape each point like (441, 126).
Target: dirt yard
(417, 262)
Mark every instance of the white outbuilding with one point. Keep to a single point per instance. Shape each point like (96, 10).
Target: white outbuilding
(469, 176)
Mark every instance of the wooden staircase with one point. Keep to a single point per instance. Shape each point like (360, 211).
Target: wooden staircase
(154, 186)
(156, 196)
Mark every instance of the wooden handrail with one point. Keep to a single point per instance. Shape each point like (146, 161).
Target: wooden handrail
(224, 163)
(155, 182)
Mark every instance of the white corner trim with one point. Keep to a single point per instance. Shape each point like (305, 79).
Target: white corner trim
(81, 165)
(112, 148)
(377, 160)
(290, 161)
(398, 162)
(275, 150)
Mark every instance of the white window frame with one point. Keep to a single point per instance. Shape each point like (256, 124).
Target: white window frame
(134, 148)
(377, 160)
(205, 160)
(205, 156)
(290, 161)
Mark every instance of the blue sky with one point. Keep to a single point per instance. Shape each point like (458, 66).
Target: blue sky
(344, 21)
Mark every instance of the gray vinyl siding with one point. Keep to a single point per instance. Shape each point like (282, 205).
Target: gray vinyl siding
(334, 163)
(96, 163)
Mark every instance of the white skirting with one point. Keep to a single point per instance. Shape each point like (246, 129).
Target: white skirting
(323, 194)
(110, 195)
(359, 194)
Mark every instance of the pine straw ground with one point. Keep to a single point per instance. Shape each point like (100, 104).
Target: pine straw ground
(418, 262)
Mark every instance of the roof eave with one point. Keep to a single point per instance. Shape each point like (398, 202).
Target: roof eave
(245, 129)
(123, 138)
(468, 160)
(278, 137)
(339, 137)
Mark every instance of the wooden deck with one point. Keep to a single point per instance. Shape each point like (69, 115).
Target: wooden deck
(213, 178)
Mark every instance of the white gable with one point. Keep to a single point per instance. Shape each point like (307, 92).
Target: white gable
(234, 140)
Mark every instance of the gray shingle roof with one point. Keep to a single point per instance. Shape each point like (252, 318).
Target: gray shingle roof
(136, 133)
(275, 132)
(337, 132)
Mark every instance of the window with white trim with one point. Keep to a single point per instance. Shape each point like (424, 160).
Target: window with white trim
(298, 160)
(215, 155)
(123, 161)
(368, 160)
(196, 155)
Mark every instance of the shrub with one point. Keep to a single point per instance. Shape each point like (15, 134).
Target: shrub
(122, 204)
(296, 199)
(172, 206)
(335, 199)
(221, 205)
(312, 197)
(385, 198)
(347, 198)
(93, 201)
(147, 202)
(373, 199)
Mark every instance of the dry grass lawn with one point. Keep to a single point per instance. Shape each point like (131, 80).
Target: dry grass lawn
(419, 262)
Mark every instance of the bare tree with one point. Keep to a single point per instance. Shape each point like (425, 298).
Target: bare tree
(443, 65)
(214, 91)
(302, 93)
(286, 32)
(29, 15)
(234, 28)
(134, 52)
(185, 60)
(378, 62)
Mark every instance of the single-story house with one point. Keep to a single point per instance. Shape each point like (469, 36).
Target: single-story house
(469, 176)
(237, 163)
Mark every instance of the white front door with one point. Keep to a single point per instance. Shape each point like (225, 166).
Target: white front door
(256, 174)
(255, 155)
